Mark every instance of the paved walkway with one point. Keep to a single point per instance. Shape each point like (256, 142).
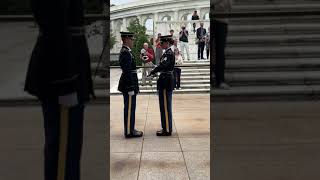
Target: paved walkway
(266, 140)
(22, 138)
(185, 155)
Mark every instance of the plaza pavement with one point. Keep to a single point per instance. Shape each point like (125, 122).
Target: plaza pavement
(22, 139)
(266, 140)
(185, 155)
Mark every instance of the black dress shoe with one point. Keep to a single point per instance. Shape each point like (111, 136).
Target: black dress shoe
(134, 134)
(163, 133)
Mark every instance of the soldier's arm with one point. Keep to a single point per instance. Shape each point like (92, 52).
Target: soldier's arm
(164, 64)
(125, 64)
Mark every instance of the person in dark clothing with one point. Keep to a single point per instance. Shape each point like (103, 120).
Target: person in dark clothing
(220, 31)
(201, 36)
(128, 85)
(165, 85)
(184, 42)
(59, 75)
(195, 16)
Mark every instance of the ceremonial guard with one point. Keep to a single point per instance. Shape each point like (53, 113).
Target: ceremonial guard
(165, 85)
(59, 75)
(128, 85)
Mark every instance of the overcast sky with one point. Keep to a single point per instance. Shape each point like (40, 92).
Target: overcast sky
(117, 2)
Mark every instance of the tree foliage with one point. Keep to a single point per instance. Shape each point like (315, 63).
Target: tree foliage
(112, 40)
(140, 38)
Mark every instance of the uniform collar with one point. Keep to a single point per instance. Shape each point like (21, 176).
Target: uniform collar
(127, 47)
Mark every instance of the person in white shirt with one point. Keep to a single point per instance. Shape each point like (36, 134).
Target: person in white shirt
(184, 42)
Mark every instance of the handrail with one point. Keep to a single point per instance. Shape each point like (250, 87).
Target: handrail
(93, 17)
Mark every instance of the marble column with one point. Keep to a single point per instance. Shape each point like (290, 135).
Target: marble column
(124, 24)
(155, 19)
(176, 15)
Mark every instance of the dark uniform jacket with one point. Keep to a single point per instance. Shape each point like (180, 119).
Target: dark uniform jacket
(60, 61)
(204, 32)
(129, 78)
(165, 68)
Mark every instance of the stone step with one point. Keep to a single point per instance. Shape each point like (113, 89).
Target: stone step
(196, 62)
(274, 29)
(195, 69)
(101, 83)
(272, 78)
(205, 81)
(272, 52)
(273, 40)
(303, 6)
(183, 86)
(265, 2)
(274, 20)
(273, 65)
(267, 93)
(180, 91)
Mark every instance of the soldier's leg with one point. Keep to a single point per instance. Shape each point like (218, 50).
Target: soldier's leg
(75, 139)
(162, 111)
(126, 112)
(132, 99)
(178, 77)
(51, 114)
(168, 109)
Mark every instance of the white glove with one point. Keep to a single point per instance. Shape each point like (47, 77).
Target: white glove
(143, 51)
(69, 100)
(131, 93)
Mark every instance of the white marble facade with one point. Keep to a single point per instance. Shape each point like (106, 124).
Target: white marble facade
(158, 16)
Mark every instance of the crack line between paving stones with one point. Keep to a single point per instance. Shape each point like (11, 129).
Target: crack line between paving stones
(144, 130)
(184, 159)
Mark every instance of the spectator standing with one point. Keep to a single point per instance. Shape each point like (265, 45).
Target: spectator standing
(184, 42)
(195, 16)
(147, 56)
(220, 29)
(201, 32)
